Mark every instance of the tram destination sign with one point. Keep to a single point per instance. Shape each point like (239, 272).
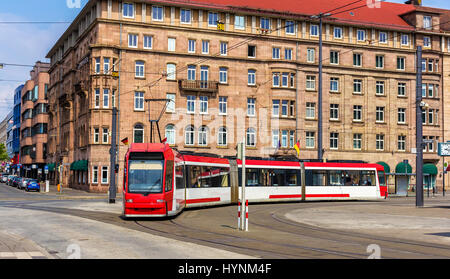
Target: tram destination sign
(444, 149)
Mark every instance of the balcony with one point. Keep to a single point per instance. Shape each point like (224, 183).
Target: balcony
(198, 85)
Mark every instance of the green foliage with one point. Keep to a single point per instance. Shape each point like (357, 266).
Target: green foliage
(3, 154)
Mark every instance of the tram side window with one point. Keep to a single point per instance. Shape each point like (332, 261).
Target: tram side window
(179, 176)
(270, 177)
(368, 178)
(169, 175)
(316, 177)
(219, 177)
(335, 178)
(194, 172)
(382, 178)
(351, 178)
(208, 177)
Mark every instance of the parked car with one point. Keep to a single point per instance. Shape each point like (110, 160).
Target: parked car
(33, 184)
(23, 183)
(15, 181)
(10, 178)
(4, 178)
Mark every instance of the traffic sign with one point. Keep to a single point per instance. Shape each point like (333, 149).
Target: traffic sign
(444, 149)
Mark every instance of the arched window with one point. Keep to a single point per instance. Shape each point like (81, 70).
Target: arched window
(251, 137)
(138, 133)
(189, 135)
(203, 136)
(170, 134)
(222, 136)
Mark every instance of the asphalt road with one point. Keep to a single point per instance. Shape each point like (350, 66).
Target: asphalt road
(273, 233)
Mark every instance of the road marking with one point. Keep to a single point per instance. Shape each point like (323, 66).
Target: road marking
(22, 255)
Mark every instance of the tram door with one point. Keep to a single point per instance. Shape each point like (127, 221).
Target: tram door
(402, 185)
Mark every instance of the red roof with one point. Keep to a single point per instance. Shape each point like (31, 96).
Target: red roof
(388, 15)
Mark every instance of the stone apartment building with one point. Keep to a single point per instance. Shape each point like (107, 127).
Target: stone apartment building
(234, 72)
(34, 122)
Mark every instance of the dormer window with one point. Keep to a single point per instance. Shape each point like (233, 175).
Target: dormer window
(427, 22)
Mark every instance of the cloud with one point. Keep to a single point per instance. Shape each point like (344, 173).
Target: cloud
(22, 44)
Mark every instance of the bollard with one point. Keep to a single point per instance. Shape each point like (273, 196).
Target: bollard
(47, 186)
(246, 215)
(239, 215)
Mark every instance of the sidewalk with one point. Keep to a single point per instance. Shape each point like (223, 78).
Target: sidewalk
(16, 247)
(70, 193)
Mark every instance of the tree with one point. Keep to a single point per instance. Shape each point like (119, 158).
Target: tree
(3, 154)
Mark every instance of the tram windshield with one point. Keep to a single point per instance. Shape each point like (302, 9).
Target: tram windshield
(145, 176)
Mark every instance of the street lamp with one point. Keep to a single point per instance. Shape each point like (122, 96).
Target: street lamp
(320, 120)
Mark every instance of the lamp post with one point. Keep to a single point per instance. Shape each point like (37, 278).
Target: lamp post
(419, 131)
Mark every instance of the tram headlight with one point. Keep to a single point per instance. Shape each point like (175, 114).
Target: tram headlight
(160, 201)
(130, 201)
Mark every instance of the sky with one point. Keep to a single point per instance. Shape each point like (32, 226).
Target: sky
(27, 43)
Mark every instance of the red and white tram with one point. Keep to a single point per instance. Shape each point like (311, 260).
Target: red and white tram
(159, 181)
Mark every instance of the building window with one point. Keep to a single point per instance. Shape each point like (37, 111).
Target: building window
(104, 175)
(310, 139)
(310, 55)
(284, 138)
(171, 44)
(357, 113)
(96, 135)
(379, 88)
(379, 115)
(171, 103)
(380, 142)
(223, 105)
(105, 135)
(337, 32)
(357, 141)
(106, 65)
(190, 104)
(426, 41)
(105, 98)
(128, 10)
(334, 112)
(401, 63)
(285, 79)
(223, 48)
(401, 116)
(170, 134)
(239, 22)
(311, 110)
(251, 51)
(276, 79)
(276, 53)
(203, 104)
(361, 35)
(334, 57)
(189, 135)
(357, 86)
(265, 23)
(140, 69)
(97, 65)
(97, 98)
(401, 143)
(138, 133)
(284, 108)
(288, 53)
(222, 136)
(334, 84)
(401, 89)
(251, 137)
(251, 107)
(275, 138)
(191, 46)
(290, 27)
(379, 61)
(223, 75)
(95, 174)
(148, 42)
(357, 59)
(171, 71)
(251, 77)
(132, 40)
(203, 136)
(205, 47)
(314, 30)
(191, 72)
(139, 100)
(157, 13)
(310, 83)
(382, 38)
(212, 19)
(275, 108)
(405, 40)
(427, 22)
(334, 140)
(185, 16)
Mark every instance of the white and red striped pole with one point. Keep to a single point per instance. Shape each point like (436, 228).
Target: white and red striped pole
(246, 215)
(239, 215)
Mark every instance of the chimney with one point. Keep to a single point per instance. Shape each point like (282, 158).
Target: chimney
(414, 2)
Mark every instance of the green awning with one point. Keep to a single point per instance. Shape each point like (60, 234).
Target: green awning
(387, 169)
(80, 165)
(430, 169)
(51, 166)
(400, 168)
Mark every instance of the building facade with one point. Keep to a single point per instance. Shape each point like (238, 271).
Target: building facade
(34, 121)
(233, 73)
(17, 112)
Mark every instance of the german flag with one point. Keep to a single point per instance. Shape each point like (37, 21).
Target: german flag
(297, 147)
(125, 141)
